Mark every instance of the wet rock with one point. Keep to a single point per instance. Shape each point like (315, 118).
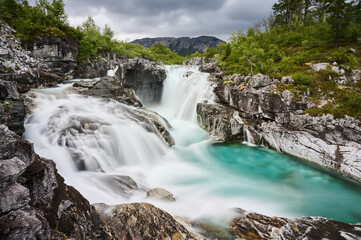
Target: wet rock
(35, 202)
(160, 194)
(256, 226)
(141, 221)
(95, 68)
(144, 77)
(107, 87)
(223, 123)
(277, 121)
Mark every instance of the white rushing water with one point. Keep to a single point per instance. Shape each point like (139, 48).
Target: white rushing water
(96, 144)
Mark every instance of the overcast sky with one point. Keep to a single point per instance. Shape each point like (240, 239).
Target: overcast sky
(132, 19)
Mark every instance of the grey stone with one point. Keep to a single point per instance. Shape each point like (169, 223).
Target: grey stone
(10, 170)
(144, 77)
(287, 96)
(160, 194)
(319, 66)
(13, 197)
(287, 80)
(259, 80)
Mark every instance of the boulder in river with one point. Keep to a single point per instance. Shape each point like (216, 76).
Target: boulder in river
(144, 77)
(141, 221)
(161, 194)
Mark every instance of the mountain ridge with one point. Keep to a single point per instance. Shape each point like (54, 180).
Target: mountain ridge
(184, 46)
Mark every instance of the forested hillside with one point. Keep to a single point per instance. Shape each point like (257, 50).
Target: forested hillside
(298, 35)
(50, 18)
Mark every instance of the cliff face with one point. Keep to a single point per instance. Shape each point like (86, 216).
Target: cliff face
(184, 46)
(59, 53)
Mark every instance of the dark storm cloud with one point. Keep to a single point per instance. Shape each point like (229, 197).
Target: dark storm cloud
(132, 19)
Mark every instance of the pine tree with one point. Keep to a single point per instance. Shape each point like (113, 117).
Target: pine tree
(285, 11)
(338, 17)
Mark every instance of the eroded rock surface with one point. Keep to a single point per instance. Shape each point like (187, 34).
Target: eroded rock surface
(141, 221)
(253, 226)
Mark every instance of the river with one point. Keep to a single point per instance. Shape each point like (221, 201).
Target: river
(206, 179)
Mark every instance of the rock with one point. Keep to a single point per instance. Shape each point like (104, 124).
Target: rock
(356, 75)
(287, 96)
(259, 81)
(223, 123)
(13, 197)
(107, 87)
(8, 90)
(141, 221)
(276, 121)
(319, 66)
(144, 77)
(256, 226)
(287, 80)
(59, 52)
(94, 68)
(160, 194)
(12, 108)
(34, 200)
(208, 65)
(212, 231)
(26, 224)
(10, 170)
(21, 66)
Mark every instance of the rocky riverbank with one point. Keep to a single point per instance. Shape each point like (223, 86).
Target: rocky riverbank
(251, 109)
(35, 203)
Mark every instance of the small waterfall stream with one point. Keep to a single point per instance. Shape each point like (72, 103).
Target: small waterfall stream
(110, 156)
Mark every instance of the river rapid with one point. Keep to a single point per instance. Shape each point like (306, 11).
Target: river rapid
(207, 180)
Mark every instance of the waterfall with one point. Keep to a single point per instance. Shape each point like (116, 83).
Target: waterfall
(112, 72)
(247, 136)
(183, 89)
(91, 134)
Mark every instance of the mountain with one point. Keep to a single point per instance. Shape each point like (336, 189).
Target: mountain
(184, 45)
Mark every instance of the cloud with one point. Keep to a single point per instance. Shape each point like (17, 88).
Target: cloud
(131, 19)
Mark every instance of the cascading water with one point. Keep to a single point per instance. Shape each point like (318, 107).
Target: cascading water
(97, 144)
